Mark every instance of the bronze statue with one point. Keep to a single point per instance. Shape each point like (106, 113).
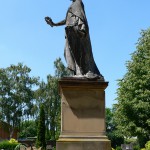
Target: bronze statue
(78, 49)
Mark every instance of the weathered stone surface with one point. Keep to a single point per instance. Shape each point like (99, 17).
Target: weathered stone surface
(82, 115)
(84, 145)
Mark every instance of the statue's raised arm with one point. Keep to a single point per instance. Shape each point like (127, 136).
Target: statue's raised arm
(51, 23)
(78, 49)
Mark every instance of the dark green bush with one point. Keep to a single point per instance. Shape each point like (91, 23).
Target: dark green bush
(118, 148)
(6, 145)
(137, 147)
(40, 141)
(147, 146)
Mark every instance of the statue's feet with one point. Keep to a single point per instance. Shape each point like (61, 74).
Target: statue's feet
(90, 75)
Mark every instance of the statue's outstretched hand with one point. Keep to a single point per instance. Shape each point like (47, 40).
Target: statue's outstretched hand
(49, 21)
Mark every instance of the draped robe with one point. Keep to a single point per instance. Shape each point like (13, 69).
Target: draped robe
(78, 49)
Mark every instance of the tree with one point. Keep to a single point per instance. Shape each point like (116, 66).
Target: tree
(111, 129)
(41, 142)
(48, 94)
(52, 107)
(28, 128)
(133, 95)
(16, 94)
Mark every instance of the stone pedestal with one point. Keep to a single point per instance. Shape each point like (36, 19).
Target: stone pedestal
(82, 115)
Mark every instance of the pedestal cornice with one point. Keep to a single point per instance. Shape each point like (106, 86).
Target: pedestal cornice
(70, 82)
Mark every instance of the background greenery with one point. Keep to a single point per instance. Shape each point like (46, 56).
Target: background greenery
(128, 121)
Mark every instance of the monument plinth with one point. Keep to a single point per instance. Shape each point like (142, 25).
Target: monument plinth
(83, 94)
(82, 115)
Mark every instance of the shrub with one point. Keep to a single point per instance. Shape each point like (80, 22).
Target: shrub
(7, 145)
(147, 145)
(136, 147)
(12, 141)
(40, 141)
(118, 148)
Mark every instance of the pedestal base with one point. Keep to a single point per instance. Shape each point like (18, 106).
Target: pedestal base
(83, 145)
(82, 116)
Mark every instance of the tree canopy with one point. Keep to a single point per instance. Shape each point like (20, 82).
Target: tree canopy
(16, 94)
(48, 94)
(20, 101)
(111, 129)
(133, 95)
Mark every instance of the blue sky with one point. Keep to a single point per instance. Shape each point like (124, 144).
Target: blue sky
(115, 27)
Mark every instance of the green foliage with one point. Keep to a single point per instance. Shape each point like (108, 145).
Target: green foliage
(112, 132)
(142, 140)
(13, 141)
(60, 69)
(116, 138)
(136, 147)
(19, 102)
(118, 148)
(147, 146)
(132, 111)
(109, 120)
(134, 142)
(7, 145)
(41, 142)
(131, 140)
(28, 129)
(48, 94)
(16, 94)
